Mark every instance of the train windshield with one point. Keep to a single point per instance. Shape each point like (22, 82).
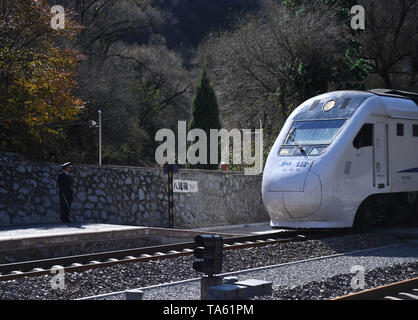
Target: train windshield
(311, 137)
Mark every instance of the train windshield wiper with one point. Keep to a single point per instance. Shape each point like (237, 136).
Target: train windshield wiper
(301, 149)
(291, 137)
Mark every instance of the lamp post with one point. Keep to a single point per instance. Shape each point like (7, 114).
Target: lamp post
(93, 124)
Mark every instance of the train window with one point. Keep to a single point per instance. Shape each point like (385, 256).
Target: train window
(314, 132)
(415, 130)
(400, 129)
(365, 137)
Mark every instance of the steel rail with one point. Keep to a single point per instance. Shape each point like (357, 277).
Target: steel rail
(79, 263)
(402, 290)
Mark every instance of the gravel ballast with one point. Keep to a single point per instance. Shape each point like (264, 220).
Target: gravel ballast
(137, 275)
(330, 276)
(340, 285)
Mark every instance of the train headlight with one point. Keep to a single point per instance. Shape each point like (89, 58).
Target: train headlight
(287, 151)
(329, 105)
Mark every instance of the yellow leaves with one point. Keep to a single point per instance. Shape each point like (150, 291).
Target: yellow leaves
(37, 70)
(37, 75)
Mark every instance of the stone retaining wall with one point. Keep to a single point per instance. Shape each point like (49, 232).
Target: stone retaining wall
(126, 195)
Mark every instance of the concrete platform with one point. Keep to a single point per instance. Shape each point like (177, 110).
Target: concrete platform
(53, 230)
(56, 240)
(264, 228)
(243, 229)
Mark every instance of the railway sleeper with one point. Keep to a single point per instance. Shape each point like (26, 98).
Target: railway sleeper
(402, 296)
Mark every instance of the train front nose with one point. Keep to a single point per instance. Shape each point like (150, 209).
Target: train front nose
(291, 194)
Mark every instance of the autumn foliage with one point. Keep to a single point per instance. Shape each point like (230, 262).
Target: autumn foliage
(37, 73)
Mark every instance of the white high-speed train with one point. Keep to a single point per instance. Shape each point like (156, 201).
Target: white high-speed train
(343, 159)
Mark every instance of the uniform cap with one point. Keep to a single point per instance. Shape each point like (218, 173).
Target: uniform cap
(66, 165)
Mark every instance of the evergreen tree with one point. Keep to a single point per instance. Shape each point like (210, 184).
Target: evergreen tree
(205, 116)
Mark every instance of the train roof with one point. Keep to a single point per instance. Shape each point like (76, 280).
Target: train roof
(343, 104)
(396, 94)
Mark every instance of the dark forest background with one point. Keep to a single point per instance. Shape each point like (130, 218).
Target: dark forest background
(138, 61)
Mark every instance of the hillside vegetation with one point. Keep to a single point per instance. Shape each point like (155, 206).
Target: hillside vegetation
(138, 61)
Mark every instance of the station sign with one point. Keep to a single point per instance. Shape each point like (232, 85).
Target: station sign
(185, 186)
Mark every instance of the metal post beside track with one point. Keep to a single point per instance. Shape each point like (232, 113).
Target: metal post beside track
(100, 137)
(170, 169)
(170, 197)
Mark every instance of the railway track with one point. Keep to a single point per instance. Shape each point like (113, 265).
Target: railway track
(79, 263)
(402, 290)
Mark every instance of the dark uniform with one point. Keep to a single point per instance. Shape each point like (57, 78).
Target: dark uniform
(65, 185)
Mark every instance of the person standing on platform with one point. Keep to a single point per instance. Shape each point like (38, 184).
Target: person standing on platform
(65, 185)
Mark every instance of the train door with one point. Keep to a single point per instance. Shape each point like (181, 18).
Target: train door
(380, 158)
